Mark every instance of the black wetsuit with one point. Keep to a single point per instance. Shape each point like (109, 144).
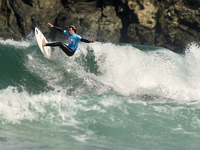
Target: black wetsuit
(64, 47)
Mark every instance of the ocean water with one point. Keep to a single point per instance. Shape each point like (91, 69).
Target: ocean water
(106, 97)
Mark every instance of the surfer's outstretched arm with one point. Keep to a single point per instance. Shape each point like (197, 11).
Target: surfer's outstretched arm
(59, 29)
(87, 41)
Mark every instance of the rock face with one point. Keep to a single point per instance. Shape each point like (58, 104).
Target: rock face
(167, 23)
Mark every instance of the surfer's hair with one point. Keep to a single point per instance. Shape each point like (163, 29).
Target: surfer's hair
(73, 28)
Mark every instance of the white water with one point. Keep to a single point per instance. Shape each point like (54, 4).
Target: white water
(133, 99)
(130, 71)
(124, 69)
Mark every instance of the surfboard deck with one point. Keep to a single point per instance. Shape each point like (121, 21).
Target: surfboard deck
(46, 50)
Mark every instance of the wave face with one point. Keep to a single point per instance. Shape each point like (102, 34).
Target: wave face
(107, 96)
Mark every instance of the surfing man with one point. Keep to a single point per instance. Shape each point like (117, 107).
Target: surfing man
(73, 40)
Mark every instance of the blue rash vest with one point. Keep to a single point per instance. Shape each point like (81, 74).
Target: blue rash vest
(73, 40)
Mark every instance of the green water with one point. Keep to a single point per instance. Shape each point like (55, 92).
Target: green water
(108, 97)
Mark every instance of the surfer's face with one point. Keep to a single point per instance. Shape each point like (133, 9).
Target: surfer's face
(71, 31)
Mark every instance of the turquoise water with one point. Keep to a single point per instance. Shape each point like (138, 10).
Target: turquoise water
(108, 97)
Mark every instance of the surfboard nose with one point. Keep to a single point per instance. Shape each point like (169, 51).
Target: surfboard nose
(36, 31)
(40, 37)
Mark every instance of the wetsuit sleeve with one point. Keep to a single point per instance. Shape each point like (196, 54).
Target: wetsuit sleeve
(85, 40)
(57, 28)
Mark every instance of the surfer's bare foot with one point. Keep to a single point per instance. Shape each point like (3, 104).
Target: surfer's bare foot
(43, 43)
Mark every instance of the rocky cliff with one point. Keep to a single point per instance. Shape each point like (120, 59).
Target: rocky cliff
(167, 23)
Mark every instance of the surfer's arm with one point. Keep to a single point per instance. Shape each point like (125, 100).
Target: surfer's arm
(59, 29)
(86, 41)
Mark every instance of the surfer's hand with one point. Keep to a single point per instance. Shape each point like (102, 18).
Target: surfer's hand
(50, 25)
(91, 41)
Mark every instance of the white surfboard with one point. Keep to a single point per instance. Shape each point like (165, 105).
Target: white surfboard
(46, 50)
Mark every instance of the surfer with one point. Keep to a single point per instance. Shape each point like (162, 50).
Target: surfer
(73, 40)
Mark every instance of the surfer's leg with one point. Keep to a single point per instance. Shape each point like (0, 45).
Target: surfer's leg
(64, 47)
(67, 50)
(51, 44)
(54, 44)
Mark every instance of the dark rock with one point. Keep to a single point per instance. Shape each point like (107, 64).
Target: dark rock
(167, 23)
